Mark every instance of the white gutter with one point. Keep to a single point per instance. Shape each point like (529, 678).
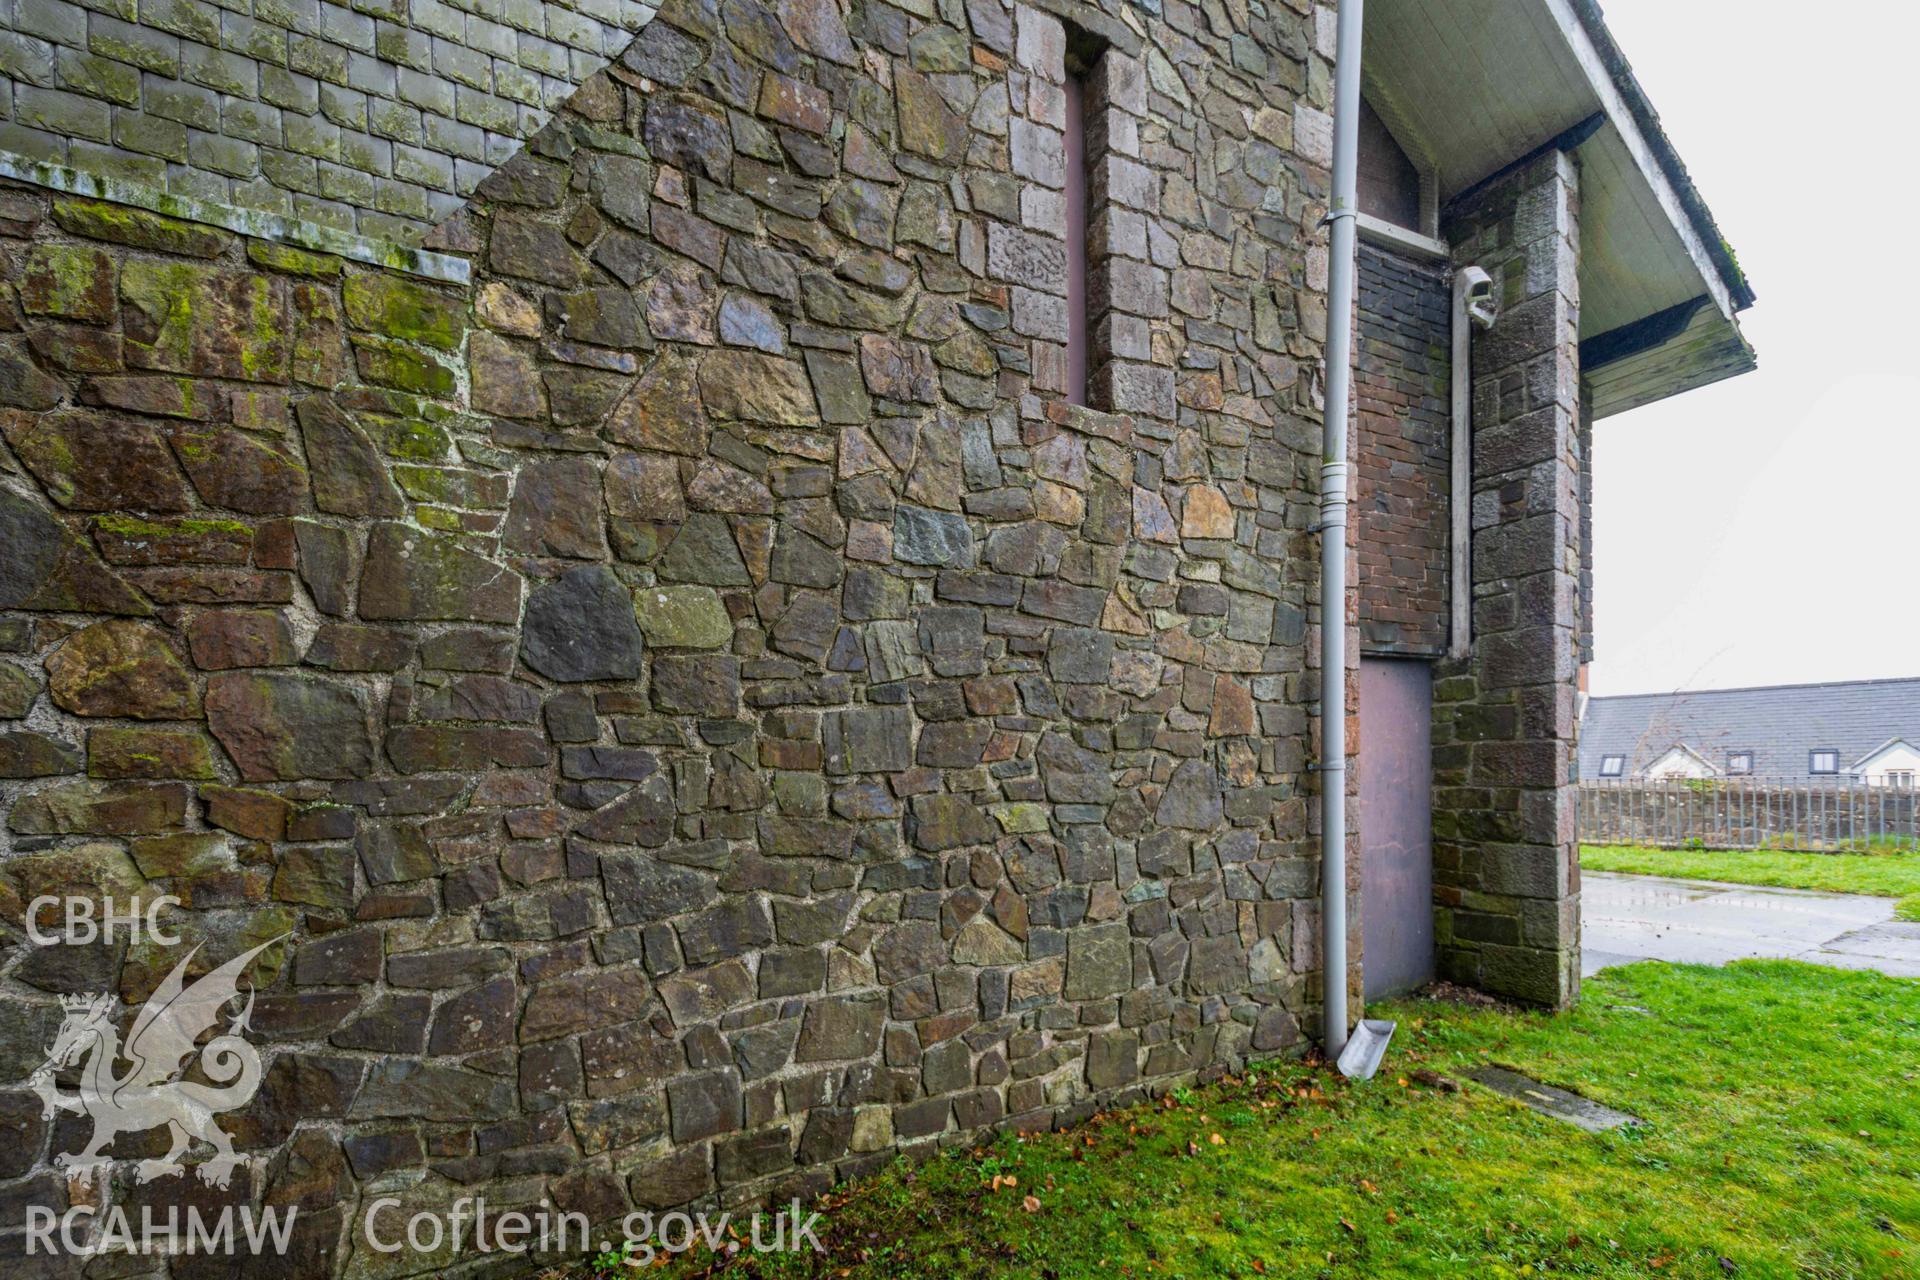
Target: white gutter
(1472, 305)
(1341, 210)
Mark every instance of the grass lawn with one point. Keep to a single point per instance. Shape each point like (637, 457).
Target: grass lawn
(1886, 875)
(1782, 1141)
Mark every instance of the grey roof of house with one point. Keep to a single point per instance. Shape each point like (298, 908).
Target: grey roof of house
(1780, 724)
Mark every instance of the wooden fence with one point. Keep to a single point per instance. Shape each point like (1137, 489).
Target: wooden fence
(1828, 816)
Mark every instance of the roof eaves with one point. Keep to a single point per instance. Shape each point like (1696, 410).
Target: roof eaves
(1671, 694)
(1628, 85)
(1687, 749)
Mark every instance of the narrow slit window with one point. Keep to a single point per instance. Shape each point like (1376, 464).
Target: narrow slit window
(1078, 320)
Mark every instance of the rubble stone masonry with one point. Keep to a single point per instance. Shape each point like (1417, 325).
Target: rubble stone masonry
(705, 711)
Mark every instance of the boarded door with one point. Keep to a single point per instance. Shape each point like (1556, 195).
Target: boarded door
(1396, 824)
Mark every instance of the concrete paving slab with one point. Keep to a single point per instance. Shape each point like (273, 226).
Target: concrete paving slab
(1550, 1101)
(1896, 942)
(1627, 918)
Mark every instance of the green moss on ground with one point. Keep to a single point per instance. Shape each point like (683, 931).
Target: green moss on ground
(1781, 1141)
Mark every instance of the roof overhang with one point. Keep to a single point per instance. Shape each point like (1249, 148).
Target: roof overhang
(1472, 87)
(1877, 752)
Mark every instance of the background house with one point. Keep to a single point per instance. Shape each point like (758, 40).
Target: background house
(1858, 730)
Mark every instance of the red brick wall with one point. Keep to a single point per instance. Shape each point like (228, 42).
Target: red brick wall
(1401, 386)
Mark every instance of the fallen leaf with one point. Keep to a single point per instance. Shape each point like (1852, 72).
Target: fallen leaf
(1031, 1204)
(1217, 1140)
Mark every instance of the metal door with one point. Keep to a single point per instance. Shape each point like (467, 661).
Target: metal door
(1396, 824)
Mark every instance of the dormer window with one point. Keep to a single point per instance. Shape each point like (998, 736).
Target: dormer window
(1739, 763)
(1612, 766)
(1823, 760)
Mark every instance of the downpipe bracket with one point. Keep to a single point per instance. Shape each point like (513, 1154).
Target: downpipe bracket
(1335, 214)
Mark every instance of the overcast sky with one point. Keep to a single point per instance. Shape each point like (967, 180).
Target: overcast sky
(1764, 530)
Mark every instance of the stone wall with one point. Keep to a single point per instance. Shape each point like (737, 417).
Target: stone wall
(1506, 865)
(707, 713)
(379, 116)
(1404, 416)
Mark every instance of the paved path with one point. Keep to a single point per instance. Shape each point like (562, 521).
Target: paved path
(1628, 918)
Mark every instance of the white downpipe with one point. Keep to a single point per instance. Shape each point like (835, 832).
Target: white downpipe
(1472, 307)
(1333, 528)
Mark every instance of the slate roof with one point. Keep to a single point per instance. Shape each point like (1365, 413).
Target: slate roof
(1780, 724)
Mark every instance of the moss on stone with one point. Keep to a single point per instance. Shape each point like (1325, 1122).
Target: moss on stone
(187, 317)
(266, 333)
(123, 224)
(394, 364)
(292, 261)
(406, 311)
(425, 484)
(72, 281)
(126, 526)
(414, 440)
(57, 466)
(163, 293)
